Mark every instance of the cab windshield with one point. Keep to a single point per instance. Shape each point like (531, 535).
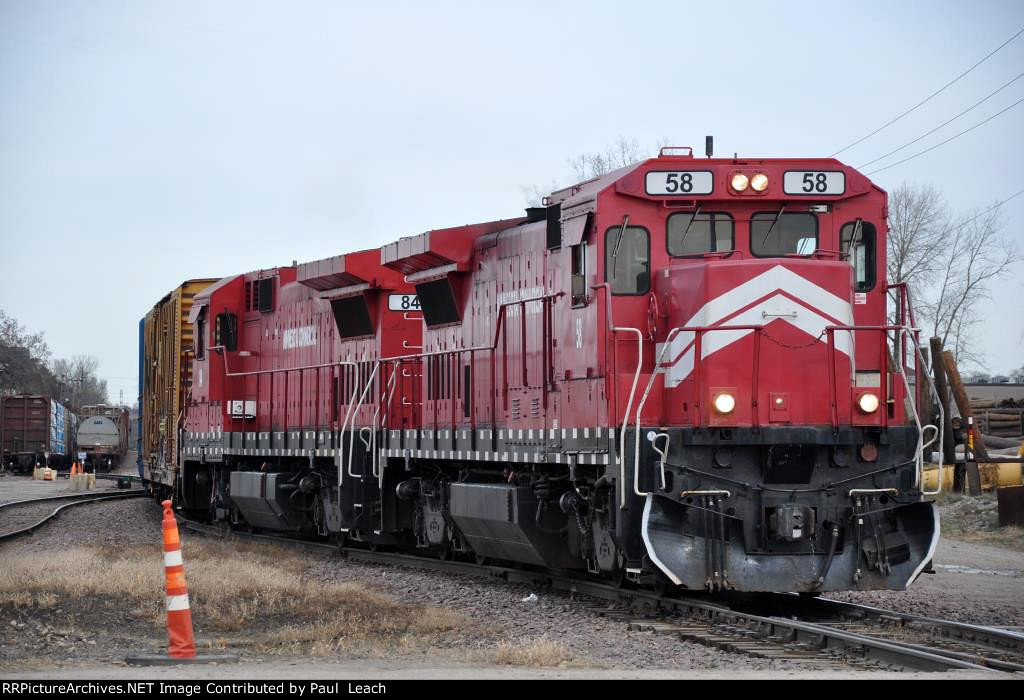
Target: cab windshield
(772, 234)
(696, 235)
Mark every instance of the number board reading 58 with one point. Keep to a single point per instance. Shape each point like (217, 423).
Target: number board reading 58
(814, 182)
(679, 182)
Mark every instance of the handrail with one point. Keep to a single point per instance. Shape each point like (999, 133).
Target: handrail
(610, 325)
(394, 359)
(340, 363)
(658, 363)
(625, 415)
(643, 400)
(921, 445)
(901, 332)
(362, 397)
(387, 408)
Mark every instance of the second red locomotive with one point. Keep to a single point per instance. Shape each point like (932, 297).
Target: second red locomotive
(681, 372)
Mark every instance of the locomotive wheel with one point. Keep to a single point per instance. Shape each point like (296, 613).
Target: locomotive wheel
(446, 553)
(664, 588)
(619, 577)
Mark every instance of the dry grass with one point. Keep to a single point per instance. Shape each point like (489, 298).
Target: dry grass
(533, 652)
(1010, 537)
(254, 596)
(976, 519)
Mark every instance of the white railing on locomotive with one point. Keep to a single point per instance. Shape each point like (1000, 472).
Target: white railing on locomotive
(909, 397)
(276, 370)
(658, 365)
(499, 331)
(606, 288)
(370, 443)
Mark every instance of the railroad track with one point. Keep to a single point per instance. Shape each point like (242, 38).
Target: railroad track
(819, 633)
(26, 516)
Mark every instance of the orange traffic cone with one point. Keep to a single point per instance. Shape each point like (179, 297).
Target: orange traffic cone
(181, 644)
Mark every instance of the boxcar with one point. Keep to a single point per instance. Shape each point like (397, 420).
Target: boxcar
(35, 429)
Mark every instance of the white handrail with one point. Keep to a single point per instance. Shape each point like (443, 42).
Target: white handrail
(639, 410)
(921, 444)
(629, 407)
(375, 458)
(362, 397)
(346, 363)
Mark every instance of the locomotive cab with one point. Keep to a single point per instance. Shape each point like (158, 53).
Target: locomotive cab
(772, 439)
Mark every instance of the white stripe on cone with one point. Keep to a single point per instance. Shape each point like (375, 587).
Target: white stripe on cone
(177, 602)
(172, 558)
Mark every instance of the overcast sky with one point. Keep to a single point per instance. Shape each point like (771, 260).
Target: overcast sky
(144, 143)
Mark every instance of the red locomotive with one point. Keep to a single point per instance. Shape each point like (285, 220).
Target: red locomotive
(681, 372)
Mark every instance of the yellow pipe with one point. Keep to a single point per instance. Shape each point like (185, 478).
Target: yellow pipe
(931, 478)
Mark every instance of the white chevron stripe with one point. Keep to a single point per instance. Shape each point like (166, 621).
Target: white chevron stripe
(813, 299)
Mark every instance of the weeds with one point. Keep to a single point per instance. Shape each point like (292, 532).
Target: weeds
(258, 596)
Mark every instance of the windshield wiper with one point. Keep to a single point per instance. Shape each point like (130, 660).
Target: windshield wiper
(772, 227)
(689, 223)
(853, 238)
(615, 250)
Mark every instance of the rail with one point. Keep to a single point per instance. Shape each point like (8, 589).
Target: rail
(73, 500)
(727, 617)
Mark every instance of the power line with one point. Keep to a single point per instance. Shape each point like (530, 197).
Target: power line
(941, 89)
(948, 121)
(991, 208)
(951, 138)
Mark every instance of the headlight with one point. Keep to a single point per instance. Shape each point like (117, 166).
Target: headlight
(759, 182)
(724, 403)
(868, 402)
(739, 182)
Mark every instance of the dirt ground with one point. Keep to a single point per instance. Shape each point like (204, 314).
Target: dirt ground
(439, 669)
(79, 596)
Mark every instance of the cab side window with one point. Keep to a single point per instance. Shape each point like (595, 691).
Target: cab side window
(857, 244)
(579, 274)
(627, 260)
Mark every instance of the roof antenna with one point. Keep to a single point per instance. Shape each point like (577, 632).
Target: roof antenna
(709, 146)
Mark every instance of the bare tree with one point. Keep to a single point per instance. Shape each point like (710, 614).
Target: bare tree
(623, 152)
(949, 263)
(80, 384)
(535, 194)
(973, 256)
(23, 358)
(586, 166)
(918, 223)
